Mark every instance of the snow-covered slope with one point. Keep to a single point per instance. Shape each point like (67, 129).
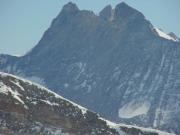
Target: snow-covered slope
(29, 109)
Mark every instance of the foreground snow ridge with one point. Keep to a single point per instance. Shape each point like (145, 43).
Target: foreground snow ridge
(16, 95)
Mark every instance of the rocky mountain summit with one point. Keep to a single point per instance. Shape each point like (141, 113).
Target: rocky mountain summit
(30, 109)
(115, 63)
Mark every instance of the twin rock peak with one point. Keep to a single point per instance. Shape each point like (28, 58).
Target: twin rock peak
(122, 11)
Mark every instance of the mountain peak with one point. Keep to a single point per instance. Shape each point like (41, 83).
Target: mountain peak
(107, 13)
(70, 7)
(123, 5)
(124, 11)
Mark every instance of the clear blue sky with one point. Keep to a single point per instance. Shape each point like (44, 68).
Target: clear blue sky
(23, 22)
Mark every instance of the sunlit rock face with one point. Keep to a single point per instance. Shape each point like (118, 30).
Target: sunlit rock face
(115, 63)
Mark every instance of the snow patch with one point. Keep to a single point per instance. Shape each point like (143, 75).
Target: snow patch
(6, 90)
(116, 74)
(17, 55)
(48, 102)
(83, 84)
(81, 67)
(34, 103)
(66, 85)
(147, 75)
(164, 35)
(134, 109)
(155, 123)
(17, 84)
(142, 84)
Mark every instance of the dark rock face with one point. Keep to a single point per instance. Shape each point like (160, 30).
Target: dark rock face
(107, 13)
(118, 67)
